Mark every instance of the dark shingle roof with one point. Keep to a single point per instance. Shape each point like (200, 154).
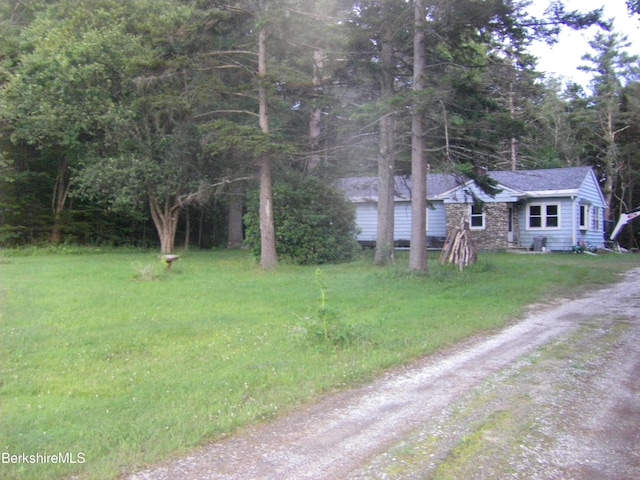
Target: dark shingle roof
(543, 180)
(366, 188)
(529, 181)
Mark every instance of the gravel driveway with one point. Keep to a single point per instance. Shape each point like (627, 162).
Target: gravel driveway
(554, 396)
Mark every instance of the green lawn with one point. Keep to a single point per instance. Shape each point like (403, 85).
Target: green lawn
(114, 357)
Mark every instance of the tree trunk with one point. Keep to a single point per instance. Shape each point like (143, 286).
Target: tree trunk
(268, 255)
(200, 227)
(235, 237)
(611, 160)
(165, 219)
(418, 249)
(315, 115)
(385, 252)
(187, 229)
(512, 113)
(61, 190)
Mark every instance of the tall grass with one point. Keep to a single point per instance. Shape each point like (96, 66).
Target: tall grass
(115, 357)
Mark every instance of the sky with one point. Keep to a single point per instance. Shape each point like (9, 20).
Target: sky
(563, 59)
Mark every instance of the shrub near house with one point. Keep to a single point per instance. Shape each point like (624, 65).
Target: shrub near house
(314, 223)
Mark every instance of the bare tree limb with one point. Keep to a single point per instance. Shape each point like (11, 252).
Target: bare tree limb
(215, 112)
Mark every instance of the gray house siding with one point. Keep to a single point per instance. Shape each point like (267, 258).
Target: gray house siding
(436, 223)
(436, 220)
(594, 223)
(581, 219)
(402, 223)
(560, 237)
(591, 220)
(367, 221)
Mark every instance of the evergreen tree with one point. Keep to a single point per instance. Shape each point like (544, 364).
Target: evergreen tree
(627, 195)
(611, 67)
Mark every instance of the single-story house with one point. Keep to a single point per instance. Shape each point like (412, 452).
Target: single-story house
(553, 208)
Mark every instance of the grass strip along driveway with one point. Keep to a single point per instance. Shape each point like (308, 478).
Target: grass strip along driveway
(111, 362)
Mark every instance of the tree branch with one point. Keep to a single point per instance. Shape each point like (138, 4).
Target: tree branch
(215, 112)
(231, 52)
(204, 192)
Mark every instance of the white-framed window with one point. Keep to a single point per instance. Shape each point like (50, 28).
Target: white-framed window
(543, 216)
(595, 219)
(477, 218)
(584, 217)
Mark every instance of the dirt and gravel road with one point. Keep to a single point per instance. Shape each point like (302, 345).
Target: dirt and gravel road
(554, 396)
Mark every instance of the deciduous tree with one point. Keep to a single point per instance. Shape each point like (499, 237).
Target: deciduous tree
(62, 94)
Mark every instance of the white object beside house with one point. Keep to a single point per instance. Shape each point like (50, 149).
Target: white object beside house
(555, 209)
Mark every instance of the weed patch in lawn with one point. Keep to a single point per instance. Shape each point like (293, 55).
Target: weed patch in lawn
(327, 326)
(147, 272)
(128, 364)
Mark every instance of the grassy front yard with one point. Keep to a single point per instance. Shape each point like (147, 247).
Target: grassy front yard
(110, 360)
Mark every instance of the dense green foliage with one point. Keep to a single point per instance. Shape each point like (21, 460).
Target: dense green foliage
(119, 118)
(112, 355)
(315, 224)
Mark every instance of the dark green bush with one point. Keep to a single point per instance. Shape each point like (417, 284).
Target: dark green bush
(314, 223)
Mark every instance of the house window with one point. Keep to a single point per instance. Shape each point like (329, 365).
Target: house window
(543, 216)
(584, 217)
(477, 217)
(595, 219)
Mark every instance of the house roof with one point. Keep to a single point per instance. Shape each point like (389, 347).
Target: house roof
(553, 179)
(524, 183)
(365, 189)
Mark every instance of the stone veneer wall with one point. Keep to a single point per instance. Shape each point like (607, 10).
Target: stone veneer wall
(495, 234)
